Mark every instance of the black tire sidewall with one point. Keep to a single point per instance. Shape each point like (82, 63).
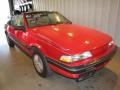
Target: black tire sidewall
(44, 72)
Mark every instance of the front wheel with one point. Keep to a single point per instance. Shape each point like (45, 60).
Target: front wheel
(40, 64)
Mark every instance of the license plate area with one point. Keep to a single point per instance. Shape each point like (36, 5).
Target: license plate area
(87, 74)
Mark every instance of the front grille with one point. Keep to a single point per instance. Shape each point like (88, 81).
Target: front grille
(100, 50)
(103, 59)
(98, 62)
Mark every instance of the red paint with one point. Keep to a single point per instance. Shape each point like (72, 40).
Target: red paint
(63, 39)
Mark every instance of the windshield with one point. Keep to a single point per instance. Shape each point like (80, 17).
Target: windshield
(45, 18)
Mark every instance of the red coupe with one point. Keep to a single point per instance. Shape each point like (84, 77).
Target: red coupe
(54, 43)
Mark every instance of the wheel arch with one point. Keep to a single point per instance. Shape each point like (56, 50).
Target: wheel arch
(38, 48)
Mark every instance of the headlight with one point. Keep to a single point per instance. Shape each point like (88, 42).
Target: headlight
(76, 57)
(111, 43)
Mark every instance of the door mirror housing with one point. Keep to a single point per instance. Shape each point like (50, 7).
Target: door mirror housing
(21, 28)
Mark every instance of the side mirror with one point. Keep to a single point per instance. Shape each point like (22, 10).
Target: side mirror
(21, 28)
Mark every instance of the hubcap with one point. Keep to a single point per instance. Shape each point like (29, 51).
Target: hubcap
(38, 63)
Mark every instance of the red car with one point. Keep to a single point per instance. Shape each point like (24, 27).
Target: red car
(56, 44)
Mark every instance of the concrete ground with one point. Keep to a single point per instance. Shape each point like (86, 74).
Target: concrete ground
(17, 73)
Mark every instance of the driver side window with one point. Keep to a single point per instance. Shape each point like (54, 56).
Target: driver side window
(17, 20)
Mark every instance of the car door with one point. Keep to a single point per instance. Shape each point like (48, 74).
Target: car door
(10, 28)
(19, 30)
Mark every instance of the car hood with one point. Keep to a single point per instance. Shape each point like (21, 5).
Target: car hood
(72, 38)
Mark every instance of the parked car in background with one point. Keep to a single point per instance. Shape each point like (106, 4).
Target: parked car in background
(54, 43)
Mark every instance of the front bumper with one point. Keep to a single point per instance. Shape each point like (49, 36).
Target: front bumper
(82, 69)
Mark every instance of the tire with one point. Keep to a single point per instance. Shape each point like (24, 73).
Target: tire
(10, 42)
(40, 64)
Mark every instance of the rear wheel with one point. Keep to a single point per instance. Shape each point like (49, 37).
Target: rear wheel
(40, 64)
(10, 42)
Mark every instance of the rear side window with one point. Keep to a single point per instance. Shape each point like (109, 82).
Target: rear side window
(17, 20)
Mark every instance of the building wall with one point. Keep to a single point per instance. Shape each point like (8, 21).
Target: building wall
(104, 15)
(18, 3)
